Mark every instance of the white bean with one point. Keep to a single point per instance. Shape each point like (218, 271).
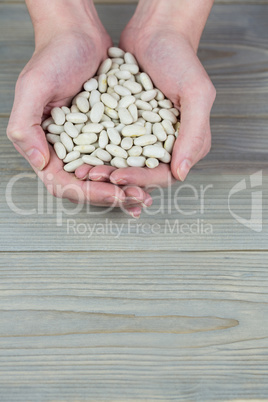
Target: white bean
(123, 75)
(109, 101)
(168, 145)
(115, 150)
(168, 115)
(94, 97)
(134, 87)
(60, 150)
(166, 104)
(126, 143)
(175, 111)
(65, 110)
(72, 166)
(53, 138)
(102, 83)
(82, 104)
(151, 117)
(103, 139)
(143, 105)
(72, 156)
(79, 127)
(115, 96)
(146, 82)
(70, 129)
(112, 81)
(111, 113)
(92, 128)
(159, 132)
(91, 85)
(168, 127)
(84, 149)
(108, 124)
(152, 163)
(114, 136)
(133, 130)
(133, 111)
(132, 68)
(154, 103)
(103, 155)
(122, 91)
(166, 158)
(85, 139)
(130, 59)
(58, 116)
(67, 141)
(145, 140)
(126, 101)
(96, 112)
(47, 122)
(160, 96)
(54, 129)
(118, 60)
(115, 52)
(112, 72)
(152, 151)
(125, 116)
(76, 118)
(119, 162)
(136, 161)
(135, 151)
(148, 95)
(74, 109)
(148, 127)
(105, 67)
(92, 160)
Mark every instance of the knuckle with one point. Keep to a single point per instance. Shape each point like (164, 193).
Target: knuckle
(14, 134)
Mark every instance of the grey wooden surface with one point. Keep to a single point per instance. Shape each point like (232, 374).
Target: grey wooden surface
(157, 313)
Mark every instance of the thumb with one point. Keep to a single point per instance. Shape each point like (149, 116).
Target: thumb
(24, 128)
(193, 141)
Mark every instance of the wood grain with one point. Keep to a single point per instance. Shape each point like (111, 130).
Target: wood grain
(130, 326)
(172, 307)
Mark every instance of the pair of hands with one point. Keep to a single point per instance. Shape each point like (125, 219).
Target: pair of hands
(56, 72)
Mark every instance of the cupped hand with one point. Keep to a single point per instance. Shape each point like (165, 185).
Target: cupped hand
(55, 73)
(171, 61)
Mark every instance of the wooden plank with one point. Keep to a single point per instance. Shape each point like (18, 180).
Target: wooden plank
(233, 50)
(239, 150)
(130, 326)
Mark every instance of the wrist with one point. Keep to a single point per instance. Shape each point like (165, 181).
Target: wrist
(51, 18)
(188, 18)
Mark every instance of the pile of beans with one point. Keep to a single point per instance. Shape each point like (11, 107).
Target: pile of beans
(120, 119)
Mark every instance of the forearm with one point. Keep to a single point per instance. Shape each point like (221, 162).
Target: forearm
(52, 16)
(188, 16)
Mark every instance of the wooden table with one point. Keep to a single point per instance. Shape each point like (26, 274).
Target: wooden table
(175, 307)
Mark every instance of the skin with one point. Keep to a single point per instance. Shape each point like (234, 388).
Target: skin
(70, 43)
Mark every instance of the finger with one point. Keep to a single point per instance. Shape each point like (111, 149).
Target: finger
(136, 196)
(101, 173)
(65, 185)
(143, 177)
(194, 138)
(134, 212)
(24, 125)
(82, 172)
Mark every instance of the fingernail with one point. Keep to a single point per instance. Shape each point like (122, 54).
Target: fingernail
(95, 178)
(134, 216)
(36, 158)
(184, 169)
(121, 182)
